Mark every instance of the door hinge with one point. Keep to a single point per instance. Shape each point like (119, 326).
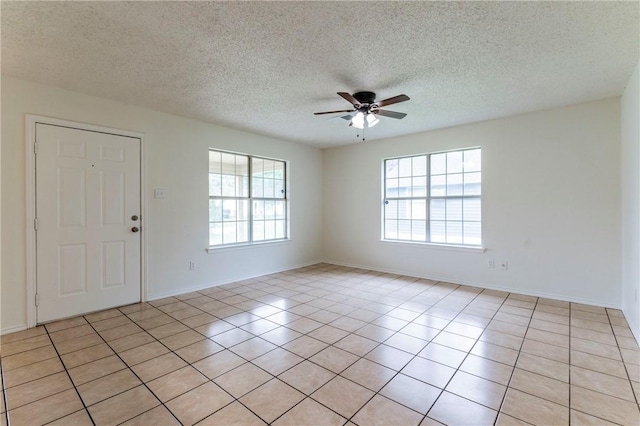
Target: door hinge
(35, 223)
(37, 299)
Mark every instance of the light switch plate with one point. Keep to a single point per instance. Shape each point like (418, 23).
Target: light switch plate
(159, 193)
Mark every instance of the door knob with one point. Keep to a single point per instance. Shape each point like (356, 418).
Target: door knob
(134, 217)
(135, 229)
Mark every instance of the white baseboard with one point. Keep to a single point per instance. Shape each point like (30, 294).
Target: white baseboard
(481, 285)
(13, 329)
(241, 278)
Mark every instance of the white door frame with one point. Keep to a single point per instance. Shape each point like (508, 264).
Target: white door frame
(30, 137)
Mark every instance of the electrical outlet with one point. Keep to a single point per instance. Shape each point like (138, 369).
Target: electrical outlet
(492, 264)
(192, 265)
(159, 193)
(504, 265)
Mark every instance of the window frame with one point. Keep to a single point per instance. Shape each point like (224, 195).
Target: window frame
(250, 200)
(427, 198)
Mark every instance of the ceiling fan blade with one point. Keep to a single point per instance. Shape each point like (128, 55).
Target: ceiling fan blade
(394, 100)
(333, 112)
(390, 114)
(349, 98)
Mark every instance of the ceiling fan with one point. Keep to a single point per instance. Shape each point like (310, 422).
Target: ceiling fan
(366, 108)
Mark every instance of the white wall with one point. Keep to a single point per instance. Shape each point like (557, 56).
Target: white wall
(551, 204)
(630, 183)
(176, 227)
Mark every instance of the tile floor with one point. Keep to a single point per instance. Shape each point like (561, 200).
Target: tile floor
(327, 345)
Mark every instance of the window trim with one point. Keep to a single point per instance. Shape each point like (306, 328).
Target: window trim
(250, 243)
(428, 197)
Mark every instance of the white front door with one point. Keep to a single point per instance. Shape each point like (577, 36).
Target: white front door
(88, 221)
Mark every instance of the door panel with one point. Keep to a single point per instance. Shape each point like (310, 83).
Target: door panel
(87, 189)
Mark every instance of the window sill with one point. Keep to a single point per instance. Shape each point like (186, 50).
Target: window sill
(244, 246)
(450, 247)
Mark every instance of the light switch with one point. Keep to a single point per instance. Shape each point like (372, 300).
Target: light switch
(159, 193)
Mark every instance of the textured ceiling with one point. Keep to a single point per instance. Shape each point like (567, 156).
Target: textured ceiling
(267, 66)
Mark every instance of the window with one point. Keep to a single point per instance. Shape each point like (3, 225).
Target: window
(247, 199)
(434, 198)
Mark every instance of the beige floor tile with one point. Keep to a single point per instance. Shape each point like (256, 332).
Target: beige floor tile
(218, 363)
(31, 372)
(429, 372)
(309, 412)
(199, 403)
(32, 391)
(506, 420)
(443, 355)
(553, 327)
(534, 410)
(252, 348)
(260, 326)
(71, 333)
(83, 356)
(283, 318)
(242, 380)
(199, 350)
(186, 313)
(502, 339)
(406, 343)
(181, 340)
(234, 414)
(176, 383)
(348, 324)
(156, 416)
(304, 346)
(232, 337)
(328, 334)
(334, 359)
(411, 392)
(281, 335)
(477, 389)
(505, 327)
(307, 377)
(596, 348)
(24, 345)
(382, 411)
(607, 407)
(540, 386)
(262, 403)
(630, 356)
(159, 366)
(3, 408)
(389, 357)
(548, 337)
(333, 394)
(21, 335)
(369, 374)
(107, 386)
(594, 336)
(495, 353)
(600, 364)
(96, 369)
(544, 366)
(454, 341)
(123, 407)
(79, 418)
(200, 319)
(119, 332)
(28, 357)
(113, 322)
(55, 326)
(47, 409)
(487, 369)
(154, 319)
(103, 315)
(277, 361)
(356, 344)
(452, 409)
(603, 383)
(591, 325)
(131, 341)
(580, 418)
(143, 353)
(374, 332)
(167, 330)
(73, 345)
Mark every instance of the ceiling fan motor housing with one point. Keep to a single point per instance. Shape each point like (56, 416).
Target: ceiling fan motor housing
(365, 98)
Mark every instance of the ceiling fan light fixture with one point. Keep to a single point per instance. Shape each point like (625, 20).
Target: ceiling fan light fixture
(358, 120)
(372, 120)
